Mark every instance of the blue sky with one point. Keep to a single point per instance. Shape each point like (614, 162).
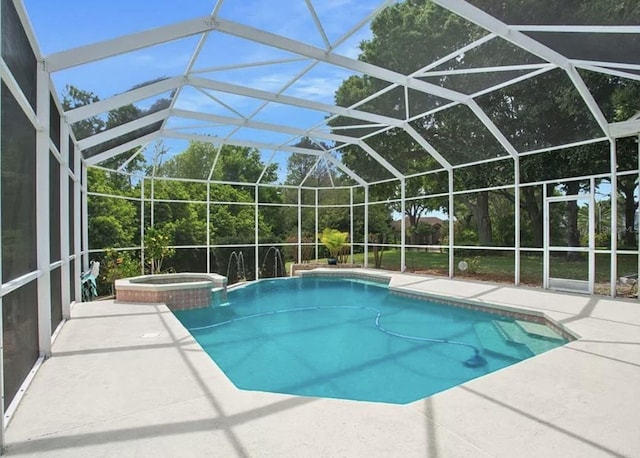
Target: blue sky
(96, 21)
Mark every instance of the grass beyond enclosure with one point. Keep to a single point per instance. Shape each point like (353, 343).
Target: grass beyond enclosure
(500, 268)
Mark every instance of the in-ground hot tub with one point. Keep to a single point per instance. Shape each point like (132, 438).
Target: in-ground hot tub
(178, 291)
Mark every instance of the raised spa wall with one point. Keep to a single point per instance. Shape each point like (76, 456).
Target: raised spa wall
(180, 291)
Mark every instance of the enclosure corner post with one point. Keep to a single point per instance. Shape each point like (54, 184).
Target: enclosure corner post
(403, 225)
(451, 225)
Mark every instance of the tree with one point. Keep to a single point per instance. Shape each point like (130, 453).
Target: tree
(113, 222)
(195, 162)
(75, 98)
(415, 32)
(406, 36)
(185, 221)
(314, 171)
(317, 171)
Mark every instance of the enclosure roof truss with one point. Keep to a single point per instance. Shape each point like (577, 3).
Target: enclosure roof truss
(206, 81)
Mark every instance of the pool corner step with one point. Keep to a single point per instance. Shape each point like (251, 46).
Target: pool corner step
(539, 330)
(514, 332)
(494, 341)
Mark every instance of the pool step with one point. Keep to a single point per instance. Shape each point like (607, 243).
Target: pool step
(539, 331)
(494, 341)
(519, 332)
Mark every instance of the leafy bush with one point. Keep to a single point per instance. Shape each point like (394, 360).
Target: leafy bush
(116, 264)
(334, 240)
(473, 264)
(156, 248)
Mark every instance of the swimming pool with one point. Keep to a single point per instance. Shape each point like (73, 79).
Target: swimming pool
(352, 339)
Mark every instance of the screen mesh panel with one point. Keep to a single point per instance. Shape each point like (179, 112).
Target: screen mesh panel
(18, 168)
(20, 332)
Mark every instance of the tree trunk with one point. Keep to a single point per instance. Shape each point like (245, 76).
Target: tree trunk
(414, 219)
(483, 219)
(573, 234)
(535, 214)
(626, 188)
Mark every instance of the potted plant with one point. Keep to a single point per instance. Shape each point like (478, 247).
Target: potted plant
(334, 241)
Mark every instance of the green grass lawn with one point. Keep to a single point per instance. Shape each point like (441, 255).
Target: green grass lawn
(500, 267)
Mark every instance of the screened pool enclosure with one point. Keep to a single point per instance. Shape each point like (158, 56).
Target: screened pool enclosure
(482, 139)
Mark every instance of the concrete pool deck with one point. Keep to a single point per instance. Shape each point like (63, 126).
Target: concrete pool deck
(129, 380)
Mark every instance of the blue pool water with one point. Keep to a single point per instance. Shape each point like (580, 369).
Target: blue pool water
(354, 340)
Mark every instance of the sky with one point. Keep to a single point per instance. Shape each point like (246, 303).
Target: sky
(97, 21)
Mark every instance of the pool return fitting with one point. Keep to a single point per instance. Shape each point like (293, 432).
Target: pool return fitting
(477, 360)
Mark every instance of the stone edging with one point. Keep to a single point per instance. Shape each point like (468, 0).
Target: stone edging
(502, 310)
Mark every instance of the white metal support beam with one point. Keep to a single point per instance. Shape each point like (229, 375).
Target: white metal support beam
(84, 216)
(123, 129)
(261, 125)
(287, 44)
(485, 20)
(482, 116)
(264, 95)
(403, 225)
(318, 24)
(516, 225)
(350, 224)
(242, 65)
(625, 128)
(366, 226)
(427, 146)
(345, 169)
(315, 218)
(122, 148)
(613, 162)
(259, 145)
(452, 221)
(311, 170)
(293, 101)
(125, 98)
(375, 155)
(287, 130)
(122, 167)
(244, 143)
(63, 179)
(607, 71)
(18, 95)
(127, 43)
(192, 60)
(256, 235)
(299, 195)
(288, 84)
(77, 221)
(587, 96)
(624, 29)
(43, 213)
(142, 221)
(4, 70)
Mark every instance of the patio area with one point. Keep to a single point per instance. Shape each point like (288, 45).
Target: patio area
(129, 380)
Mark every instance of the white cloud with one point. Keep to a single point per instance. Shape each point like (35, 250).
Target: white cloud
(159, 61)
(318, 89)
(272, 82)
(195, 101)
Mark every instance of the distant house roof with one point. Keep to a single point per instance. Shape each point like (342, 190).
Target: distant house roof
(432, 220)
